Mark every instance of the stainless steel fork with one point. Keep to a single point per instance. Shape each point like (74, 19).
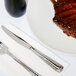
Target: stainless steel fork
(4, 50)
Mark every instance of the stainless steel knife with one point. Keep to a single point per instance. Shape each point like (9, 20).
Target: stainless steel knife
(52, 63)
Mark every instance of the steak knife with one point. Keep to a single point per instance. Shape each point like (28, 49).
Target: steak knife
(52, 63)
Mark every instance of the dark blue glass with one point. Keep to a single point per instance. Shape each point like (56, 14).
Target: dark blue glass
(16, 8)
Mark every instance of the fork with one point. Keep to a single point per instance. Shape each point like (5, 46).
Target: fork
(4, 50)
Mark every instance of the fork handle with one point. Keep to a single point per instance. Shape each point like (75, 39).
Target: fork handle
(52, 63)
(31, 71)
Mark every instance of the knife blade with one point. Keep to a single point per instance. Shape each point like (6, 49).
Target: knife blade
(16, 38)
(54, 64)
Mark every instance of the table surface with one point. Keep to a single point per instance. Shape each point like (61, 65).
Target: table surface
(70, 71)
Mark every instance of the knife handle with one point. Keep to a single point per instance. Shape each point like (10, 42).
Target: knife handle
(52, 63)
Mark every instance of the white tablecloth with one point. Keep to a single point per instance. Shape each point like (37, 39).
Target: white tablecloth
(19, 22)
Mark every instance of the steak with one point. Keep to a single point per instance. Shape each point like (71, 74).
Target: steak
(65, 16)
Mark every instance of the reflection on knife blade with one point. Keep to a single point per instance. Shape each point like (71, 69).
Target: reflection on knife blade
(54, 64)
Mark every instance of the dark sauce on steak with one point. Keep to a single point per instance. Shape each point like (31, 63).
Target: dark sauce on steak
(65, 16)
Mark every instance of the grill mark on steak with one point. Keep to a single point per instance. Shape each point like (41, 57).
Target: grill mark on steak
(65, 16)
(65, 7)
(68, 25)
(60, 3)
(68, 19)
(73, 23)
(61, 19)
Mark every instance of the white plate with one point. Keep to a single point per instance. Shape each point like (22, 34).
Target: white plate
(40, 14)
